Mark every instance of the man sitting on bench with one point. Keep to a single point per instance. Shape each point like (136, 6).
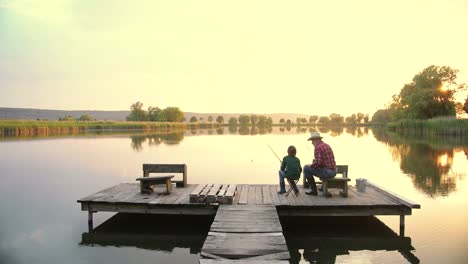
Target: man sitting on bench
(323, 165)
(291, 170)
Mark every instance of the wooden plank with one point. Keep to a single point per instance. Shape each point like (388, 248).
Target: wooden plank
(185, 195)
(211, 195)
(163, 168)
(238, 245)
(195, 194)
(274, 195)
(121, 189)
(221, 197)
(243, 199)
(252, 199)
(230, 193)
(266, 195)
(98, 194)
(275, 256)
(258, 194)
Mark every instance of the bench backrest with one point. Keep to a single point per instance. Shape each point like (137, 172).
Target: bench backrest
(165, 168)
(342, 169)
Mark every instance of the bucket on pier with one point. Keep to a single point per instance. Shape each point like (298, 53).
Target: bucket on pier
(361, 184)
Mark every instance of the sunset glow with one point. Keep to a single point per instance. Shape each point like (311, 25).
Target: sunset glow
(311, 57)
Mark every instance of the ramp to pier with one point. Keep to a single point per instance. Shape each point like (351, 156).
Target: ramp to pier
(243, 233)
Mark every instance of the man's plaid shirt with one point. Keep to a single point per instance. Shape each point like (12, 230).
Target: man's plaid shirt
(323, 157)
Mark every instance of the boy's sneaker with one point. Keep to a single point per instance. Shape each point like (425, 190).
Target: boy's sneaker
(312, 193)
(281, 192)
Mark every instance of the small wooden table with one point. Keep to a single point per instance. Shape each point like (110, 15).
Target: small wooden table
(147, 182)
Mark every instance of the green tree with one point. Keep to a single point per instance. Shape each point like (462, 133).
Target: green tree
(366, 119)
(382, 116)
(336, 118)
(67, 118)
(360, 117)
(193, 119)
(244, 120)
(430, 94)
(154, 113)
(137, 113)
(313, 119)
(253, 119)
(269, 121)
(86, 118)
(220, 119)
(172, 114)
(351, 119)
(282, 120)
(324, 120)
(262, 121)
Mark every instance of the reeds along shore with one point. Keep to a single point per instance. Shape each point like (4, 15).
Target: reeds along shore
(431, 127)
(49, 128)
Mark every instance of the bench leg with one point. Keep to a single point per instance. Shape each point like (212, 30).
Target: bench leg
(169, 186)
(344, 193)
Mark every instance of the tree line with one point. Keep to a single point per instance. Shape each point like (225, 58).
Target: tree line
(168, 114)
(430, 94)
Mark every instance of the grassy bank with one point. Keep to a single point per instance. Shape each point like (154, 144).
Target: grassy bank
(431, 127)
(46, 128)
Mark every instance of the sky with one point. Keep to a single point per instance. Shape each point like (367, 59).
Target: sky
(245, 56)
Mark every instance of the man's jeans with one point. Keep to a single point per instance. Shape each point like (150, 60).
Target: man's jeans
(309, 172)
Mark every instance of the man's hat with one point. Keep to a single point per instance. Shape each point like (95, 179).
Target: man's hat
(315, 135)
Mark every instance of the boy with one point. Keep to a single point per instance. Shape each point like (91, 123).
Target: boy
(290, 169)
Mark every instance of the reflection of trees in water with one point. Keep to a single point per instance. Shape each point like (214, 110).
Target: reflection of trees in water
(232, 129)
(357, 131)
(427, 161)
(156, 139)
(244, 130)
(336, 131)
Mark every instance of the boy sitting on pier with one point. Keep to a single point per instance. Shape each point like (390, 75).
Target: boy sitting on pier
(290, 169)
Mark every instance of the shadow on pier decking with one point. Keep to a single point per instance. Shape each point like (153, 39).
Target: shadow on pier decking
(320, 239)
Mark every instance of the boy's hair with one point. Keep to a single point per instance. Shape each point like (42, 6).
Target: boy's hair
(292, 150)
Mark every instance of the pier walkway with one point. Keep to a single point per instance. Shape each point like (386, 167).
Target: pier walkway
(247, 232)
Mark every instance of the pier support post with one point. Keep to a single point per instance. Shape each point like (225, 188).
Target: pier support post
(402, 225)
(90, 221)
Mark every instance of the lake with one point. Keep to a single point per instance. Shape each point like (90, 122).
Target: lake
(42, 179)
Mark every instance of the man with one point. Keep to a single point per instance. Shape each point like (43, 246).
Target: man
(323, 165)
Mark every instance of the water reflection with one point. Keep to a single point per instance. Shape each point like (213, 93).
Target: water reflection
(154, 232)
(168, 138)
(427, 161)
(323, 239)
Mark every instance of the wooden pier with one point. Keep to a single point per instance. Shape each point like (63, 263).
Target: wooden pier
(245, 214)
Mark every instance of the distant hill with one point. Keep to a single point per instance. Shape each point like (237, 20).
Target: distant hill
(33, 114)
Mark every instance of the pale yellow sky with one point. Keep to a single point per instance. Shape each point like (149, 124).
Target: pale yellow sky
(311, 57)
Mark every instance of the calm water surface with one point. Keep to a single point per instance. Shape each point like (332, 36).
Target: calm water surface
(41, 179)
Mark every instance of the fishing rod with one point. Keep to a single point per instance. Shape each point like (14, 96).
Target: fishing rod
(274, 153)
(307, 145)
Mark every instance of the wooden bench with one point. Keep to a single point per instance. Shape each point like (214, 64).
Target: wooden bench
(337, 182)
(147, 182)
(167, 168)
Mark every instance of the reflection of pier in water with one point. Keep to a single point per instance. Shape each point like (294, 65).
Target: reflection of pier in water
(321, 239)
(153, 232)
